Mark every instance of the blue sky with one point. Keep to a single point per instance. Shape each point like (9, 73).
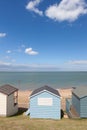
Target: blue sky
(43, 35)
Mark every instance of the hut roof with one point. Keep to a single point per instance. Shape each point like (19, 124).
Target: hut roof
(8, 89)
(80, 92)
(47, 88)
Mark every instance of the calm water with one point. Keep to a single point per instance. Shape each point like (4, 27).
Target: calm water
(33, 80)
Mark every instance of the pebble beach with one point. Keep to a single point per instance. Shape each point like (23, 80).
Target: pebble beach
(24, 95)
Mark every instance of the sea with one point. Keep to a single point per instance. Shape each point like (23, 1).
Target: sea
(34, 80)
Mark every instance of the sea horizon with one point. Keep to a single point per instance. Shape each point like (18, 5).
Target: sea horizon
(32, 80)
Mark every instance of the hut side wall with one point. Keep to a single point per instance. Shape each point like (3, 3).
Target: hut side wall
(11, 107)
(83, 107)
(68, 105)
(76, 103)
(41, 110)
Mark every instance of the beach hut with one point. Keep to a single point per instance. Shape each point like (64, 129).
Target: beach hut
(79, 101)
(45, 103)
(8, 100)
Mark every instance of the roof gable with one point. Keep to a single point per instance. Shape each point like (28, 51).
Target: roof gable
(47, 88)
(7, 89)
(80, 92)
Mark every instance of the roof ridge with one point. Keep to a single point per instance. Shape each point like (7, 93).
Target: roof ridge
(46, 87)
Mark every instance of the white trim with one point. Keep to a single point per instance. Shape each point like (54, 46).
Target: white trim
(45, 91)
(45, 101)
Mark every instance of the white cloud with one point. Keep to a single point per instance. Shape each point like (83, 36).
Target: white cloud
(4, 63)
(69, 66)
(23, 46)
(32, 6)
(6, 66)
(2, 35)
(29, 51)
(78, 62)
(8, 51)
(7, 57)
(13, 60)
(67, 10)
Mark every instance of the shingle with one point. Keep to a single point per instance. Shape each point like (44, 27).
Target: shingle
(8, 89)
(80, 92)
(54, 91)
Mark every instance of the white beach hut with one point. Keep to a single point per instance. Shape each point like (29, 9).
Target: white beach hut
(8, 100)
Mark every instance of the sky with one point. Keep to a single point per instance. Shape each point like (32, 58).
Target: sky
(43, 35)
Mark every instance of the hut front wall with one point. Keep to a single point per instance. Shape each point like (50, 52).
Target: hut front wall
(76, 103)
(68, 105)
(3, 104)
(45, 105)
(83, 107)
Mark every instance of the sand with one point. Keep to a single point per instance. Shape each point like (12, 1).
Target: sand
(65, 93)
(24, 96)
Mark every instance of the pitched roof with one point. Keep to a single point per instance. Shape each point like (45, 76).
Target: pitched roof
(8, 89)
(54, 91)
(80, 92)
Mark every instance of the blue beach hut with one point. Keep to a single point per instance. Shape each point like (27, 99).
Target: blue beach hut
(45, 103)
(79, 101)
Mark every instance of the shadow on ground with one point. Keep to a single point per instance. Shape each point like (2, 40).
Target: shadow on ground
(62, 113)
(21, 110)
